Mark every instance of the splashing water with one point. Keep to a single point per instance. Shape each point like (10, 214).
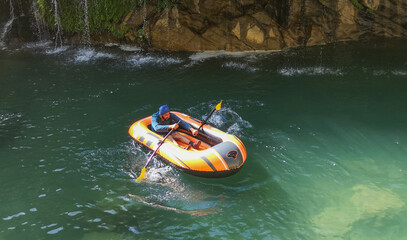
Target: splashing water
(310, 71)
(129, 48)
(87, 55)
(56, 50)
(228, 119)
(240, 66)
(141, 60)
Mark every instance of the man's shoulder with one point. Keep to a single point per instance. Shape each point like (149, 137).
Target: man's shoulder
(156, 114)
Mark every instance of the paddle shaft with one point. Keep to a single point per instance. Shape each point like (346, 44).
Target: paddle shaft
(159, 145)
(204, 122)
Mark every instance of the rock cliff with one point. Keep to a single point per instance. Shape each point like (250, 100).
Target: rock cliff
(231, 25)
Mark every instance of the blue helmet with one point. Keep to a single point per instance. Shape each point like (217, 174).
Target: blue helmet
(164, 109)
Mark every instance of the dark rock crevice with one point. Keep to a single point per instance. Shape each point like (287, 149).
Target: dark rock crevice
(232, 25)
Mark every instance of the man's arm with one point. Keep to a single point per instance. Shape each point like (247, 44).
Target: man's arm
(184, 124)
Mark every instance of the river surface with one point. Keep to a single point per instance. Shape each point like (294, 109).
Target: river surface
(325, 130)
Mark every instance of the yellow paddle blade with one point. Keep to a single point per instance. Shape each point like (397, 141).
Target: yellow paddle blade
(142, 176)
(219, 105)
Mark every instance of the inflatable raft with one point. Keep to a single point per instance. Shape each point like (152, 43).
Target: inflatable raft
(219, 155)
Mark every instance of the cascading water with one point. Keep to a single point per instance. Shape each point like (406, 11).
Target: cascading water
(38, 25)
(57, 25)
(8, 25)
(145, 32)
(167, 23)
(86, 33)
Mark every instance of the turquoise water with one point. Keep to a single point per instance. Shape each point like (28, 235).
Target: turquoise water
(324, 127)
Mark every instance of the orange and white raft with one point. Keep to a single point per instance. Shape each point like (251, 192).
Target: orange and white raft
(219, 155)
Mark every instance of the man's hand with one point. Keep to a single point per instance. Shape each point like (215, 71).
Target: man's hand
(194, 131)
(174, 126)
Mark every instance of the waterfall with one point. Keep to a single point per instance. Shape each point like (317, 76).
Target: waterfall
(8, 25)
(38, 24)
(167, 22)
(86, 33)
(57, 25)
(167, 25)
(145, 31)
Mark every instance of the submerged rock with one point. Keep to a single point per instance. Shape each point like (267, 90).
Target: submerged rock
(366, 203)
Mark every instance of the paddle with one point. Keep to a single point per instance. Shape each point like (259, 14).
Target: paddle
(217, 108)
(143, 174)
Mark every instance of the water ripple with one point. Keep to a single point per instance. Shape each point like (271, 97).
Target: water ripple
(56, 230)
(14, 216)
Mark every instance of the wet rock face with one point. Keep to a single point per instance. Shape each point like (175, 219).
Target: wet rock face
(235, 25)
(274, 24)
(19, 30)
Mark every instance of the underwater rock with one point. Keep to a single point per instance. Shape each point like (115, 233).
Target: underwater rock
(366, 203)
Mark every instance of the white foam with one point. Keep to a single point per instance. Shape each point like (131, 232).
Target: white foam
(129, 48)
(379, 73)
(7, 116)
(139, 60)
(157, 174)
(312, 71)
(41, 44)
(111, 45)
(399, 72)
(229, 119)
(56, 50)
(240, 66)
(234, 129)
(104, 55)
(86, 55)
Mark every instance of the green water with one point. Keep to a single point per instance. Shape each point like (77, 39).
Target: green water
(324, 127)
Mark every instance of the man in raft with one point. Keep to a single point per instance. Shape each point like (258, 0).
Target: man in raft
(163, 120)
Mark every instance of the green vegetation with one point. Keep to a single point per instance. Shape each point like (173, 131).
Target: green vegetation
(103, 15)
(140, 33)
(360, 6)
(357, 4)
(162, 4)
